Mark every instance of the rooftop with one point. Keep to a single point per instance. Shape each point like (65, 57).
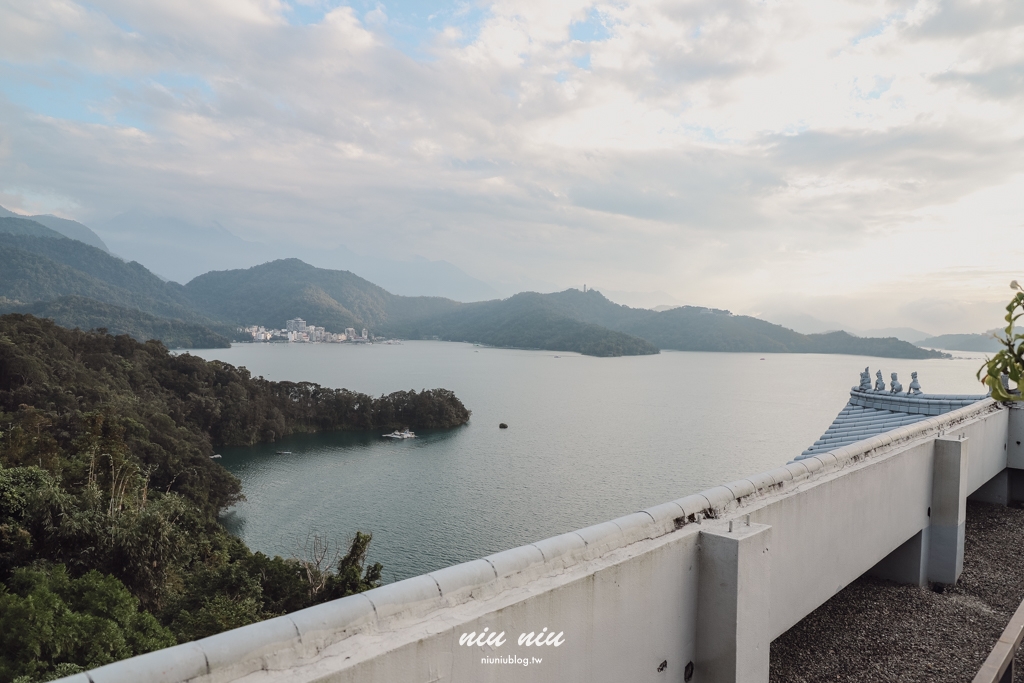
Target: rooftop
(872, 411)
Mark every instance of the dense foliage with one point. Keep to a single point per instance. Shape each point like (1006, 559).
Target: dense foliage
(1008, 364)
(107, 488)
(82, 286)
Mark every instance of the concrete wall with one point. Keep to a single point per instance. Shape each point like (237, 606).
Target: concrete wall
(691, 590)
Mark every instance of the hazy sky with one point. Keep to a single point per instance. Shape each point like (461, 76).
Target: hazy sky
(859, 161)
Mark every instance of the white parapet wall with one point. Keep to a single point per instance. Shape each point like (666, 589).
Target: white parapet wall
(691, 590)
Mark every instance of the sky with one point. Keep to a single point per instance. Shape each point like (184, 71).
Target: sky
(855, 161)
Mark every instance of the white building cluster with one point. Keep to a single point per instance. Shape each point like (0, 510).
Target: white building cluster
(296, 330)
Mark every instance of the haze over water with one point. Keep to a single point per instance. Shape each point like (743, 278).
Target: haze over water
(589, 439)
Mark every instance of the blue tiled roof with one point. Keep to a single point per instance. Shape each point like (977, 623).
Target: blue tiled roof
(870, 413)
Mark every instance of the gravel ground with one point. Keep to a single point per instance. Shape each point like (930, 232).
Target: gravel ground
(881, 631)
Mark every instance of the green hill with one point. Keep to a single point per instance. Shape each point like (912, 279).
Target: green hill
(37, 265)
(585, 322)
(38, 271)
(110, 544)
(274, 292)
(68, 228)
(692, 328)
(89, 314)
(528, 321)
(23, 226)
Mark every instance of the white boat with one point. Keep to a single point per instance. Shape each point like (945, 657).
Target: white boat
(400, 435)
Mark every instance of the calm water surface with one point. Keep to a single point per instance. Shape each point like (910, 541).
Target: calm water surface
(589, 439)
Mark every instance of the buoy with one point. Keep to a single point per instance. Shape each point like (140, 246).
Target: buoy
(502, 426)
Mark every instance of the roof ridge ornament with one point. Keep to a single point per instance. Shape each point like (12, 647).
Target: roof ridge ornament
(879, 382)
(915, 386)
(865, 380)
(897, 388)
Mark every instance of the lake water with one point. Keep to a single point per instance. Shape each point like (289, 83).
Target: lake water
(589, 439)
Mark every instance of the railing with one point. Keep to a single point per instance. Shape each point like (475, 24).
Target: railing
(998, 667)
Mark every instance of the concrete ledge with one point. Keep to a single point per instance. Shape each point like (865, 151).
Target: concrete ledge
(601, 537)
(241, 651)
(665, 515)
(781, 474)
(693, 505)
(638, 526)
(465, 576)
(173, 665)
(720, 497)
(323, 625)
(561, 547)
(762, 481)
(404, 596)
(741, 488)
(513, 561)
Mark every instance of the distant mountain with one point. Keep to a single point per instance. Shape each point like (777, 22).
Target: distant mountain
(526, 321)
(181, 250)
(89, 314)
(984, 343)
(36, 272)
(691, 328)
(41, 271)
(68, 228)
(907, 334)
(271, 293)
(24, 226)
(571, 320)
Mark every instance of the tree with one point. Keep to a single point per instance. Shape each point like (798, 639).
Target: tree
(1007, 364)
(51, 623)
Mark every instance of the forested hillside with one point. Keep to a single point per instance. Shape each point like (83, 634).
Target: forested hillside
(526, 321)
(38, 272)
(109, 540)
(89, 314)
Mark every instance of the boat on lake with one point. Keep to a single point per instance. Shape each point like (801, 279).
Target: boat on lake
(400, 435)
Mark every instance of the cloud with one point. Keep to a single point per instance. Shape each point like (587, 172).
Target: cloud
(699, 148)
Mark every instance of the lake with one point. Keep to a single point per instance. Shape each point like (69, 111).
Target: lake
(589, 439)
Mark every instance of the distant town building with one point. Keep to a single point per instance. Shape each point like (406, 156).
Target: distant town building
(297, 330)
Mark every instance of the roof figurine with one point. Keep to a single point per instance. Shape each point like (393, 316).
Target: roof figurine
(865, 380)
(915, 386)
(879, 382)
(897, 388)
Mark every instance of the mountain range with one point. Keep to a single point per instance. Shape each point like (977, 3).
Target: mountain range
(44, 272)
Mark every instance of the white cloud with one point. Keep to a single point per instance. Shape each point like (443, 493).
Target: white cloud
(725, 152)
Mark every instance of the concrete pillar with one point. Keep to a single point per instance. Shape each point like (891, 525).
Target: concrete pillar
(1015, 436)
(907, 564)
(733, 627)
(949, 511)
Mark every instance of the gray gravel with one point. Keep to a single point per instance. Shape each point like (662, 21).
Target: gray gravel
(881, 631)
